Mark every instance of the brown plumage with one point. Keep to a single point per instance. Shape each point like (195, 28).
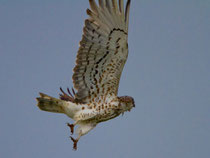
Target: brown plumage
(101, 57)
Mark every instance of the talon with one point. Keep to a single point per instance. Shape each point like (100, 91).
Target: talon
(71, 126)
(75, 143)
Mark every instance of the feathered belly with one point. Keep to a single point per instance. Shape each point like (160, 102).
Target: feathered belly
(105, 116)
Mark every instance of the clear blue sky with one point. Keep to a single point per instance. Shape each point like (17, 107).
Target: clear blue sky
(167, 72)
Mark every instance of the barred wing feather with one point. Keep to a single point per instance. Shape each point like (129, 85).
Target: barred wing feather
(103, 51)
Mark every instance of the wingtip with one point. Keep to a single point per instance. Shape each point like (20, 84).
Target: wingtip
(41, 94)
(88, 11)
(127, 11)
(37, 99)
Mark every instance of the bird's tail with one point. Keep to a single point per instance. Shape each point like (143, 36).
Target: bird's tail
(50, 104)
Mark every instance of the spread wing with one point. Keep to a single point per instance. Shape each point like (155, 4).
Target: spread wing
(103, 51)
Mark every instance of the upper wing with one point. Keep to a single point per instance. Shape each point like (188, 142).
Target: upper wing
(103, 51)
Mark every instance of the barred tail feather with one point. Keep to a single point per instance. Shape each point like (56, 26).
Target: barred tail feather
(50, 104)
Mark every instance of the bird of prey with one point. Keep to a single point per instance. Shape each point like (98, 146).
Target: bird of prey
(100, 59)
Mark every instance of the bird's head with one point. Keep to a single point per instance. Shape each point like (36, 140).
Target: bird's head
(126, 103)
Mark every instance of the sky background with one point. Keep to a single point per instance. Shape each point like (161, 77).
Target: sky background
(167, 72)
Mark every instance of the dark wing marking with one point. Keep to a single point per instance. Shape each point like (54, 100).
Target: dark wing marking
(103, 51)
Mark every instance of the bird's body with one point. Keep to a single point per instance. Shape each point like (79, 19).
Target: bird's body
(100, 60)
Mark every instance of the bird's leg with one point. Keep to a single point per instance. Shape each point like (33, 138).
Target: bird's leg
(71, 126)
(75, 141)
(82, 129)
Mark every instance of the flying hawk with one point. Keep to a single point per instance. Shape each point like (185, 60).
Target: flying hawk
(102, 54)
